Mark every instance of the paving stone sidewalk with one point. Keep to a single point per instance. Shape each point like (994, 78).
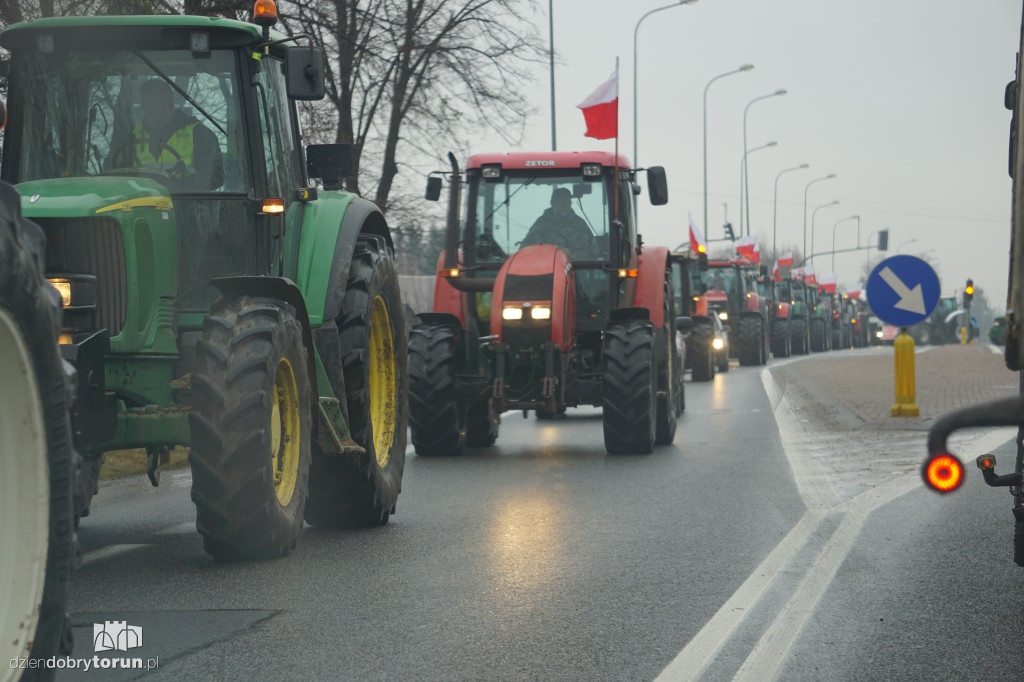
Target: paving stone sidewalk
(947, 377)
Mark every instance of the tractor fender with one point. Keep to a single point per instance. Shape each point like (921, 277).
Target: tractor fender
(448, 299)
(538, 274)
(321, 279)
(650, 282)
(752, 303)
(283, 289)
(782, 310)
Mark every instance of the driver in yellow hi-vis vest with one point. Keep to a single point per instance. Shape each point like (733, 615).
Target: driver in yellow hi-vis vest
(171, 141)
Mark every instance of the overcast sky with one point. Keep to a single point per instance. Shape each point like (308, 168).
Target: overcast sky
(901, 99)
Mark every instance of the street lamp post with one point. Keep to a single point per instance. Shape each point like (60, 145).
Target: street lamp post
(902, 244)
(745, 67)
(853, 217)
(746, 174)
(814, 214)
(826, 177)
(775, 207)
(743, 173)
(636, 161)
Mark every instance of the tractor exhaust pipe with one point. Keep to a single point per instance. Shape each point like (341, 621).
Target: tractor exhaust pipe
(451, 237)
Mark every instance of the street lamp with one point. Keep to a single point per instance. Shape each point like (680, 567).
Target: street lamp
(814, 214)
(853, 217)
(745, 67)
(746, 174)
(827, 177)
(775, 208)
(902, 244)
(743, 174)
(636, 161)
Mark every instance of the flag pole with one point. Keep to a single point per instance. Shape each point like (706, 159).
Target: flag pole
(615, 211)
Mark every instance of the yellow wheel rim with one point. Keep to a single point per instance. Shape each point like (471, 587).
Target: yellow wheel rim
(285, 439)
(383, 390)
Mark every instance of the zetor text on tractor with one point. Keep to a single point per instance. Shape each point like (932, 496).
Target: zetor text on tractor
(546, 299)
(212, 297)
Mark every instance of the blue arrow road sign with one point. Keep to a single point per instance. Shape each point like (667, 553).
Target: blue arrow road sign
(903, 290)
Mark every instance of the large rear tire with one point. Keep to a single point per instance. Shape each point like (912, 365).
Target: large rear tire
(251, 429)
(435, 420)
(750, 341)
(628, 391)
(781, 344)
(817, 335)
(36, 499)
(799, 335)
(668, 386)
(700, 353)
(363, 491)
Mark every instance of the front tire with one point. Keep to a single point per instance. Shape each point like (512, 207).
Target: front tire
(363, 491)
(781, 344)
(251, 429)
(800, 335)
(36, 498)
(628, 395)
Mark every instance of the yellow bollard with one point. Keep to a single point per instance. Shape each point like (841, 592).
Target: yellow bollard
(963, 336)
(905, 405)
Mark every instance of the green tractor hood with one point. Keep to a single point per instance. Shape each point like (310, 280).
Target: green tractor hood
(83, 197)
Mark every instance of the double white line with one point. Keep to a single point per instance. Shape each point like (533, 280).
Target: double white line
(771, 652)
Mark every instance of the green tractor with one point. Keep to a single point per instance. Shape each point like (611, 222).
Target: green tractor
(213, 297)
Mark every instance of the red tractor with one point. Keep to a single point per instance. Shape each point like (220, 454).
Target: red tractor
(546, 299)
(732, 295)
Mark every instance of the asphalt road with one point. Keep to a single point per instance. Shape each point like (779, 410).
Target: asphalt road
(736, 553)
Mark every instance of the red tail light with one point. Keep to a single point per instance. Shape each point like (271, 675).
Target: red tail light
(944, 473)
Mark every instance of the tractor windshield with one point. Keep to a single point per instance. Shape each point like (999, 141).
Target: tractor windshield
(524, 210)
(88, 113)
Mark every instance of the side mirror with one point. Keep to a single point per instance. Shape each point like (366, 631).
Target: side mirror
(684, 324)
(657, 185)
(1010, 95)
(433, 188)
(329, 162)
(3, 114)
(305, 69)
(615, 242)
(702, 261)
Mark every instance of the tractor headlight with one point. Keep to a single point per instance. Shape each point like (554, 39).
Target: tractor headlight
(878, 334)
(540, 312)
(512, 313)
(64, 288)
(718, 344)
(723, 316)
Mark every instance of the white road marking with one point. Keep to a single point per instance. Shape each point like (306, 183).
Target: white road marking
(769, 656)
(107, 552)
(998, 350)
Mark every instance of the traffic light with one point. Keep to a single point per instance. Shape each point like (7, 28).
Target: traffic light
(969, 291)
(728, 231)
(883, 240)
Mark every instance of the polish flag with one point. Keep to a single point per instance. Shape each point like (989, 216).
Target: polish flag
(786, 259)
(797, 274)
(749, 248)
(782, 266)
(601, 109)
(828, 282)
(697, 243)
(809, 276)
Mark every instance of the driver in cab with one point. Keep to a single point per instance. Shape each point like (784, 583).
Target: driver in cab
(170, 141)
(560, 226)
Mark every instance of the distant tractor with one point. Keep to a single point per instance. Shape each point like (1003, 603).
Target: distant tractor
(732, 295)
(544, 300)
(213, 296)
(707, 346)
(794, 310)
(821, 319)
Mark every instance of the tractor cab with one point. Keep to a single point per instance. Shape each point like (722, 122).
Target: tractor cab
(573, 201)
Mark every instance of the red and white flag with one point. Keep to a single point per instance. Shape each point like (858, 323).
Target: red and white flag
(749, 248)
(809, 276)
(697, 243)
(782, 266)
(827, 282)
(601, 109)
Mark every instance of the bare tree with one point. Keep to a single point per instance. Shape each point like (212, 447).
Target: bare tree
(413, 77)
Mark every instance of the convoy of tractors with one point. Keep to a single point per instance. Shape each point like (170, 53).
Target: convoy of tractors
(254, 316)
